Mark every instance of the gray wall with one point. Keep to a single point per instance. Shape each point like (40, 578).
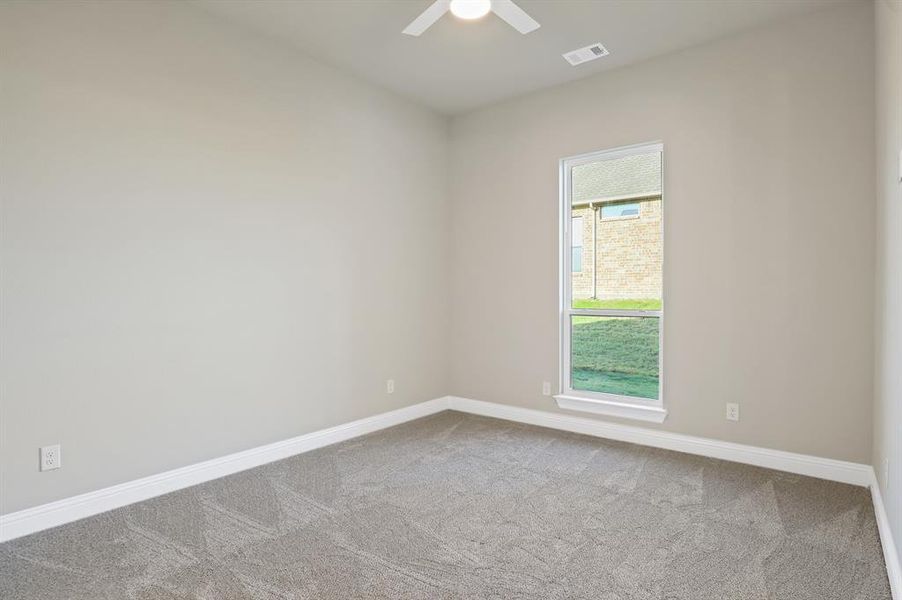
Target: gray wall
(888, 406)
(209, 243)
(769, 222)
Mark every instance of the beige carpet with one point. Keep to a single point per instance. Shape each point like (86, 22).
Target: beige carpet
(457, 506)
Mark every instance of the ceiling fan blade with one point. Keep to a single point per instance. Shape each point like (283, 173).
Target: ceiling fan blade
(515, 16)
(428, 17)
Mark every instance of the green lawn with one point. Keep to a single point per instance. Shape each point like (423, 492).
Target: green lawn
(616, 355)
(628, 304)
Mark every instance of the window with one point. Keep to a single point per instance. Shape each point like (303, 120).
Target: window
(576, 245)
(620, 210)
(611, 328)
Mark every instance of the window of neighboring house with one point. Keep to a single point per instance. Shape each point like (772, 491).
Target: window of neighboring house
(620, 210)
(576, 246)
(611, 330)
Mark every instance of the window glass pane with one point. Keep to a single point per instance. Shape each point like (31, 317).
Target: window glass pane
(615, 355)
(622, 256)
(576, 259)
(576, 240)
(619, 210)
(576, 245)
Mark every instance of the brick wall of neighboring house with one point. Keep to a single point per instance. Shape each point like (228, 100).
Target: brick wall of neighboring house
(630, 254)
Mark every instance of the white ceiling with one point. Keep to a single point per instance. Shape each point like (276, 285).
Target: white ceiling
(456, 66)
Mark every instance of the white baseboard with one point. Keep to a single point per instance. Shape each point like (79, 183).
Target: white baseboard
(49, 515)
(890, 550)
(802, 464)
(823, 468)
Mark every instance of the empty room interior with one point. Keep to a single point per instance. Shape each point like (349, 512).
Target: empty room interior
(450, 299)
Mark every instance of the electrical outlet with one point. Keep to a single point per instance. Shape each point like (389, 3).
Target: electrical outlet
(51, 458)
(546, 388)
(732, 411)
(390, 386)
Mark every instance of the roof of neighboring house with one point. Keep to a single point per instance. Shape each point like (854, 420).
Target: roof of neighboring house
(635, 175)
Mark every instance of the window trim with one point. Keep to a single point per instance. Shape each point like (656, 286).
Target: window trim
(632, 407)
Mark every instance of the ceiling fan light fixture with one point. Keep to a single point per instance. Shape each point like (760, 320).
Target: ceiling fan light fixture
(507, 11)
(470, 9)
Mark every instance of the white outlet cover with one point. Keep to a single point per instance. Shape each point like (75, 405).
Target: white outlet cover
(51, 458)
(390, 386)
(546, 388)
(732, 411)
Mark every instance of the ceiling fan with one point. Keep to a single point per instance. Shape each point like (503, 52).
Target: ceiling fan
(515, 16)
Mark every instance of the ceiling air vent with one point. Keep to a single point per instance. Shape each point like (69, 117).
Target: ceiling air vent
(578, 57)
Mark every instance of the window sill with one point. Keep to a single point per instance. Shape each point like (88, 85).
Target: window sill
(654, 414)
(620, 218)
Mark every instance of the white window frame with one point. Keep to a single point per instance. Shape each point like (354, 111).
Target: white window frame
(617, 405)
